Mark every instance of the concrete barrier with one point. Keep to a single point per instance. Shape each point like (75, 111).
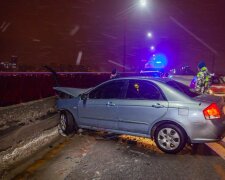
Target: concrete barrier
(25, 129)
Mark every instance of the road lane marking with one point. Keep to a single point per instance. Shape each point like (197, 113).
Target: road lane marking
(41, 162)
(219, 170)
(217, 148)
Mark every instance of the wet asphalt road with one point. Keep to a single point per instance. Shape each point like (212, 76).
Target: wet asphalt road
(90, 156)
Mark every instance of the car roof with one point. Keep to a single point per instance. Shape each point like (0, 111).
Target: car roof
(158, 79)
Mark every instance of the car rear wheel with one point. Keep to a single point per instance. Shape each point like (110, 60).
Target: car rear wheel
(170, 138)
(67, 124)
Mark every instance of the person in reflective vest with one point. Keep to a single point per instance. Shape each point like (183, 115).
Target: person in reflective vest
(203, 78)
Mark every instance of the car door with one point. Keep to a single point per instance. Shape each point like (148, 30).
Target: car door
(100, 108)
(143, 104)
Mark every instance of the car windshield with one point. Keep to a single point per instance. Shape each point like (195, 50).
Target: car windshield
(182, 88)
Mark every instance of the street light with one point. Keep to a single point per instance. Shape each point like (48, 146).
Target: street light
(152, 48)
(143, 3)
(149, 35)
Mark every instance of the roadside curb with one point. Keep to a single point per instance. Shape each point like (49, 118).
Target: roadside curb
(28, 140)
(22, 155)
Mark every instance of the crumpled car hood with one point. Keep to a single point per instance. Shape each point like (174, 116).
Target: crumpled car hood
(71, 91)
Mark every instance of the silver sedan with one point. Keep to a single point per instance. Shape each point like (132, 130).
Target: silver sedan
(159, 108)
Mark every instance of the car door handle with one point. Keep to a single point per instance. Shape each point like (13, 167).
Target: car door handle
(158, 105)
(110, 104)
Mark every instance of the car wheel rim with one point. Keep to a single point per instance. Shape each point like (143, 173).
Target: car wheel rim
(63, 122)
(168, 139)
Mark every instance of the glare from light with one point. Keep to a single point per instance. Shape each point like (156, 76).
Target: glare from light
(153, 56)
(143, 3)
(159, 61)
(149, 35)
(210, 92)
(152, 48)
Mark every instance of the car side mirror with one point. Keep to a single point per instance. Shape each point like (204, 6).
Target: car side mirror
(83, 97)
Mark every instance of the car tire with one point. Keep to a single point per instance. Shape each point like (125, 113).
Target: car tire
(170, 138)
(67, 123)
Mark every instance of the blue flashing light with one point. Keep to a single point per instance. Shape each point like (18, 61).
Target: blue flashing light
(158, 61)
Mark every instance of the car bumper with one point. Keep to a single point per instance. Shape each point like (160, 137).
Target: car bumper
(209, 131)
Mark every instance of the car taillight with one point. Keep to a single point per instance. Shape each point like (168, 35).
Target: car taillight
(212, 112)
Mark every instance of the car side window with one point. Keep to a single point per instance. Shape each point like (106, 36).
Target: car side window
(111, 90)
(143, 90)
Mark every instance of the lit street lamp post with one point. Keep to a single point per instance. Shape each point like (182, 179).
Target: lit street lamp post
(142, 4)
(149, 35)
(152, 48)
(125, 44)
(213, 62)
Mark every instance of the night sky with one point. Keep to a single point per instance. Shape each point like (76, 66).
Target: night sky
(54, 32)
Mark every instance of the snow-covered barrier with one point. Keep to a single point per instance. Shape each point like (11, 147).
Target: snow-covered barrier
(25, 129)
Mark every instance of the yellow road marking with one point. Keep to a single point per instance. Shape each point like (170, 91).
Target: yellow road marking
(220, 150)
(39, 163)
(220, 171)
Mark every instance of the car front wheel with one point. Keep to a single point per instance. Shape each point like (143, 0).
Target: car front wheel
(170, 138)
(67, 124)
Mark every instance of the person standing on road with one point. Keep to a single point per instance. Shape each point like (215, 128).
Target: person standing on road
(203, 78)
(114, 74)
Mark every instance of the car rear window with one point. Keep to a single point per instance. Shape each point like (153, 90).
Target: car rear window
(182, 88)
